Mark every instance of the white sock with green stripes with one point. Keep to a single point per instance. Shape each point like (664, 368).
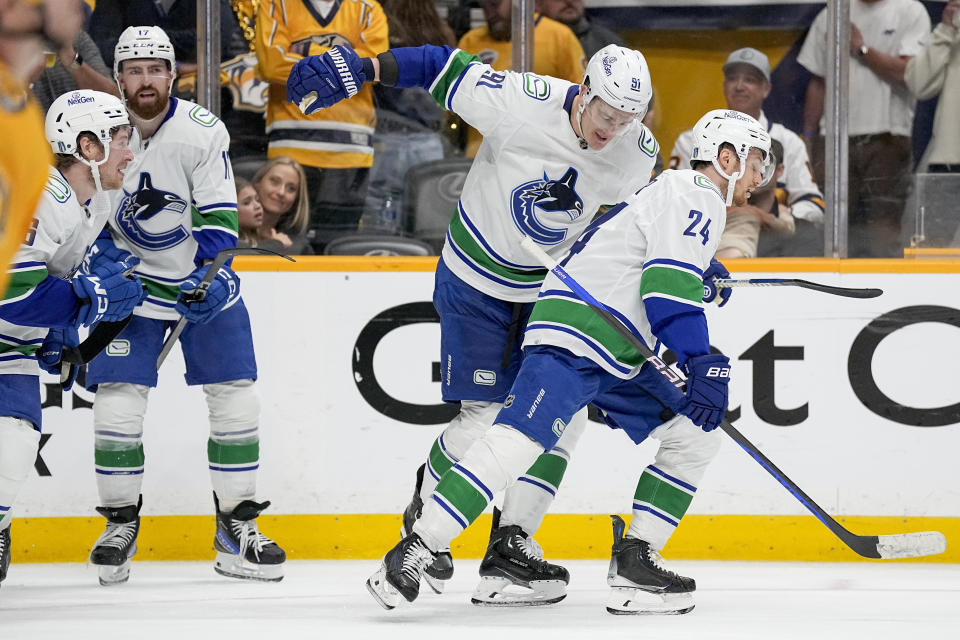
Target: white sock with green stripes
(666, 487)
(118, 412)
(492, 463)
(19, 442)
(233, 449)
(474, 419)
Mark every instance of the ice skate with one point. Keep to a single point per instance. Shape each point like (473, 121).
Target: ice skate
(398, 577)
(4, 553)
(437, 574)
(639, 582)
(242, 551)
(513, 572)
(118, 544)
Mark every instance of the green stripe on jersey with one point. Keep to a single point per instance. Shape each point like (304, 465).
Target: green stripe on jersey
(224, 218)
(119, 458)
(21, 282)
(456, 64)
(476, 253)
(462, 495)
(550, 468)
(671, 282)
(7, 348)
(230, 453)
(662, 495)
(160, 289)
(585, 320)
(439, 460)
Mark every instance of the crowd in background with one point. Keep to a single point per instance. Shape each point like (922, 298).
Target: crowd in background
(343, 170)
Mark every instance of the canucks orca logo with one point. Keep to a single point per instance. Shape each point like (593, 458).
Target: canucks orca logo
(537, 198)
(137, 209)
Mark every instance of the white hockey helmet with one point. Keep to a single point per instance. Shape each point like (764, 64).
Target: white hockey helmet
(738, 129)
(143, 43)
(621, 78)
(82, 111)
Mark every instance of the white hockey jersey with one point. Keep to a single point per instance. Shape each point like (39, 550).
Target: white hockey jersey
(178, 206)
(56, 245)
(644, 261)
(803, 194)
(530, 176)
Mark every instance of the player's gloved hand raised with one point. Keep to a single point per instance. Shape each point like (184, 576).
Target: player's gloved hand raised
(110, 292)
(200, 305)
(51, 352)
(708, 378)
(317, 82)
(711, 291)
(102, 251)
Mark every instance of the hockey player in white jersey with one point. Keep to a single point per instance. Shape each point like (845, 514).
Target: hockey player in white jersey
(644, 260)
(47, 299)
(177, 212)
(553, 153)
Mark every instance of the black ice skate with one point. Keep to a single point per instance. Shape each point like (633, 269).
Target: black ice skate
(437, 574)
(639, 582)
(399, 573)
(242, 551)
(513, 572)
(4, 553)
(114, 548)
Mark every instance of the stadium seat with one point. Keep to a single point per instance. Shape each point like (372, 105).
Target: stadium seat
(369, 244)
(246, 166)
(431, 193)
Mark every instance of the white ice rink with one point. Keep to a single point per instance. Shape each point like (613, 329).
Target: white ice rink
(327, 599)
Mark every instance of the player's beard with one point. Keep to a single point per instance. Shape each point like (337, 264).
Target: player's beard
(150, 108)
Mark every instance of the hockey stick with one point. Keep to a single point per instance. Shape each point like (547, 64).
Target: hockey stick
(846, 292)
(201, 291)
(903, 545)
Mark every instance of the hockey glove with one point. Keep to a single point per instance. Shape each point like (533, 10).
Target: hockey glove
(711, 291)
(706, 396)
(51, 352)
(108, 294)
(200, 305)
(318, 82)
(102, 251)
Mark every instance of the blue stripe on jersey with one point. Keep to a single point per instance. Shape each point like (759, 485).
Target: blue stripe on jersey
(475, 480)
(642, 507)
(539, 485)
(16, 340)
(674, 263)
(572, 93)
(466, 260)
(558, 293)
(453, 514)
(677, 481)
(576, 334)
(218, 205)
(17, 356)
(456, 85)
(24, 265)
(493, 254)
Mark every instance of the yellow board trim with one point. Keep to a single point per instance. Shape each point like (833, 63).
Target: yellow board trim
(571, 536)
(735, 265)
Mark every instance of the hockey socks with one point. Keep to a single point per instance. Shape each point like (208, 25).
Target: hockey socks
(19, 442)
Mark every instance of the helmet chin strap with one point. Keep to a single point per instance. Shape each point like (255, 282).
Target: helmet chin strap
(731, 180)
(580, 138)
(100, 202)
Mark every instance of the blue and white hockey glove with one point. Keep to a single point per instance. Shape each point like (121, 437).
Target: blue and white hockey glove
(710, 290)
(318, 82)
(51, 352)
(102, 251)
(708, 379)
(201, 306)
(110, 292)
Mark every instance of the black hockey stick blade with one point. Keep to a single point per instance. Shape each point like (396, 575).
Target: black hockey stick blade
(221, 259)
(102, 335)
(846, 292)
(903, 545)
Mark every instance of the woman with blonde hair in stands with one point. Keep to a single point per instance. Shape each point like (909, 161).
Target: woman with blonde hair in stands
(282, 186)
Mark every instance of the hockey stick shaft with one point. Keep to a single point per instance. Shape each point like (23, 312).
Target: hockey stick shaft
(846, 292)
(218, 261)
(904, 545)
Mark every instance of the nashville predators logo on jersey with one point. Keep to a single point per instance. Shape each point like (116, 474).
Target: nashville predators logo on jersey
(248, 90)
(543, 209)
(152, 218)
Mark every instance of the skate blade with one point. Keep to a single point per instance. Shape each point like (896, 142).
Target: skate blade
(501, 592)
(111, 575)
(381, 590)
(233, 566)
(630, 601)
(436, 584)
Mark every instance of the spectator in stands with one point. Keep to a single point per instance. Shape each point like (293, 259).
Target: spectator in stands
(249, 214)
(592, 36)
(559, 53)
(409, 121)
(282, 187)
(936, 70)
(763, 215)
(333, 145)
(746, 83)
(884, 36)
(76, 66)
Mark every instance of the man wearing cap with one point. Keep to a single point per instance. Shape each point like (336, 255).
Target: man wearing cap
(746, 83)
(884, 36)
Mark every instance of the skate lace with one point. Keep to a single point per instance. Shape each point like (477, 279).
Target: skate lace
(118, 535)
(415, 560)
(657, 561)
(530, 548)
(249, 537)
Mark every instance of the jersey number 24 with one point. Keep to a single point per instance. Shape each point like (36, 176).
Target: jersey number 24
(704, 232)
